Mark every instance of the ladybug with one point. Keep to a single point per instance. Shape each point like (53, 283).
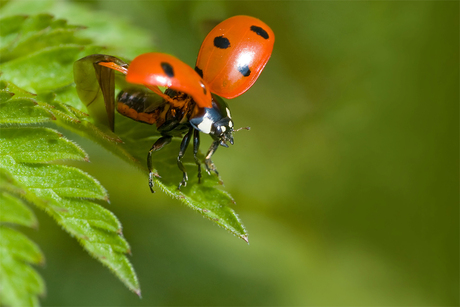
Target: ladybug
(230, 60)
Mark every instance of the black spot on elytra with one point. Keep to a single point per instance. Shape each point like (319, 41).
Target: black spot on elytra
(259, 31)
(244, 70)
(199, 71)
(221, 42)
(167, 68)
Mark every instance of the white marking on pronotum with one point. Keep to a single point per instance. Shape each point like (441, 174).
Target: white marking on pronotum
(205, 125)
(223, 128)
(230, 124)
(228, 113)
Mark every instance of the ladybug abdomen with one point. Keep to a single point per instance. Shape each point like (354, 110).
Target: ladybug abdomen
(147, 107)
(140, 106)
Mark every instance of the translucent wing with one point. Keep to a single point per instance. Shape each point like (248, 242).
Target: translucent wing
(95, 85)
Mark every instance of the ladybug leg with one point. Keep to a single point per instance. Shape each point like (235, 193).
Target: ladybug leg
(159, 144)
(196, 145)
(209, 164)
(183, 148)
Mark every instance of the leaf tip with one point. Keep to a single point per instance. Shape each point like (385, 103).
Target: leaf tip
(42, 261)
(245, 238)
(34, 225)
(138, 292)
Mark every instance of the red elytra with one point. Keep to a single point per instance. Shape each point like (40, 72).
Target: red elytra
(159, 69)
(234, 54)
(230, 60)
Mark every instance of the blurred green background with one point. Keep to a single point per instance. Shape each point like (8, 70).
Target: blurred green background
(347, 182)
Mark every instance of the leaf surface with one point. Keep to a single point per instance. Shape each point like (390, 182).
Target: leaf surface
(39, 59)
(35, 145)
(21, 284)
(14, 211)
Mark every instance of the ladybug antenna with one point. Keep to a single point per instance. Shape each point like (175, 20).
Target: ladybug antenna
(245, 128)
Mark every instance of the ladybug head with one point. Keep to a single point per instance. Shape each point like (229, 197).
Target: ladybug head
(215, 121)
(223, 130)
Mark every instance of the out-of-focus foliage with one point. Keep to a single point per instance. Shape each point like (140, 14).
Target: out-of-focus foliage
(347, 181)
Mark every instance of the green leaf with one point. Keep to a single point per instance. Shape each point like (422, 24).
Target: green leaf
(9, 183)
(13, 210)
(33, 33)
(20, 283)
(94, 216)
(39, 40)
(50, 179)
(36, 23)
(23, 249)
(113, 32)
(11, 24)
(23, 111)
(53, 188)
(99, 232)
(13, 90)
(5, 96)
(34, 145)
(46, 69)
(40, 59)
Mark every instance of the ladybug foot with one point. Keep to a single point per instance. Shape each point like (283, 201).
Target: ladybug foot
(151, 182)
(210, 167)
(183, 183)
